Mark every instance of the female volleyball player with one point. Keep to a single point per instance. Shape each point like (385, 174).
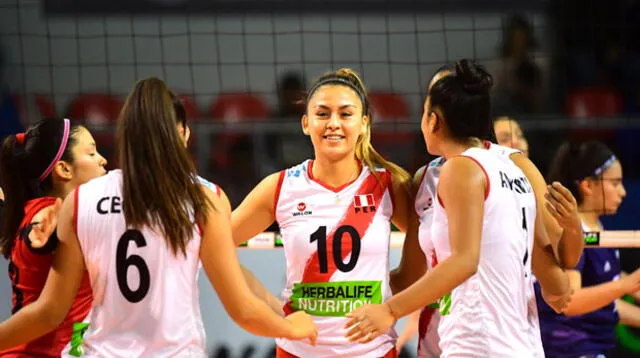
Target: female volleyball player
(37, 169)
(334, 213)
(484, 218)
(135, 231)
(594, 175)
(414, 262)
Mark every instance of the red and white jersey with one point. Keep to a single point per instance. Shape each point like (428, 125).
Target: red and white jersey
(336, 244)
(145, 298)
(489, 314)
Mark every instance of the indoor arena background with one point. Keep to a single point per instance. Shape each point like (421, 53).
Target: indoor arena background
(240, 64)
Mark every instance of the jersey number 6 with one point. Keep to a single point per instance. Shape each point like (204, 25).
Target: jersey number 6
(320, 236)
(123, 262)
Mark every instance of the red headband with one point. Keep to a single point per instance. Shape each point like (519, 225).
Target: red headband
(20, 138)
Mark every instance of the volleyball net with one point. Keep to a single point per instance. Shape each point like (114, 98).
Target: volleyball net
(593, 239)
(239, 73)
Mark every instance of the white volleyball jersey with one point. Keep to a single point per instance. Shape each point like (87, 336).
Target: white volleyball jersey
(145, 298)
(336, 244)
(489, 314)
(428, 339)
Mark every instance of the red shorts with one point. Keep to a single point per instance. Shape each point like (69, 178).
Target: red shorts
(281, 353)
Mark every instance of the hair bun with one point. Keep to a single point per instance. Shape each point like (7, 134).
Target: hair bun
(473, 77)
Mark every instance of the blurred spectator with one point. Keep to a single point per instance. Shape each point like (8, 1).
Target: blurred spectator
(596, 47)
(290, 148)
(520, 73)
(290, 91)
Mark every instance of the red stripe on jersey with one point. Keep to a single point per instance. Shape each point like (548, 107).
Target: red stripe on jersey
(359, 220)
(277, 195)
(356, 201)
(391, 194)
(423, 323)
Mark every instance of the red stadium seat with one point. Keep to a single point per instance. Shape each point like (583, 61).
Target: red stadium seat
(98, 109)
(95, 108)
(234, 108)
(593, 102)
(34, 107)
(389, 107)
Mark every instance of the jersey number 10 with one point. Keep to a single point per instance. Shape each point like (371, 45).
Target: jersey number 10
(320, 236)
(123, 262)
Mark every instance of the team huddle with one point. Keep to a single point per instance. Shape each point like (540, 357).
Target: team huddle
(106, 264)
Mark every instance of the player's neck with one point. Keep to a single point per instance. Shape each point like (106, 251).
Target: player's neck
(60, 192)
(453, 148)
(591, 219)
(336, 174)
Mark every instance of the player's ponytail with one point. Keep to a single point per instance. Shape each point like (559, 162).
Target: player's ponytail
(365, 152)
(26, 169)
(15, 191)
(159, 186)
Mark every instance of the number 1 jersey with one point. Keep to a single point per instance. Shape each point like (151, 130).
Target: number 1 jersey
(336, 243)
(145, 298)
(489, 312)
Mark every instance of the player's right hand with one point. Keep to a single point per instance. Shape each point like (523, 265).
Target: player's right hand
(303, 327)
(631, 282)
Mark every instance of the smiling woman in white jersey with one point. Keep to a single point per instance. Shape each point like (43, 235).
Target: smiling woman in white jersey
(141, 232)
(484, 215)
(335, 214)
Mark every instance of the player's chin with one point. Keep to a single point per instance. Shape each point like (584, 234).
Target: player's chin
(611, 210)
(336, 151)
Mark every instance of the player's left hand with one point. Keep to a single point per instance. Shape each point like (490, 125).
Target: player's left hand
(563, 206)
(368, 322)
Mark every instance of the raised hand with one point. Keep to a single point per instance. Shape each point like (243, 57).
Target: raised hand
(563, 206)
(44, 223)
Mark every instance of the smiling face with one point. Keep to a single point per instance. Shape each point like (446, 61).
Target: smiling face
(334, 121)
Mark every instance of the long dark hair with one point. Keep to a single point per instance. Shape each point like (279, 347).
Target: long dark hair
(464, 100)
(26, 167)
(159, 186)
